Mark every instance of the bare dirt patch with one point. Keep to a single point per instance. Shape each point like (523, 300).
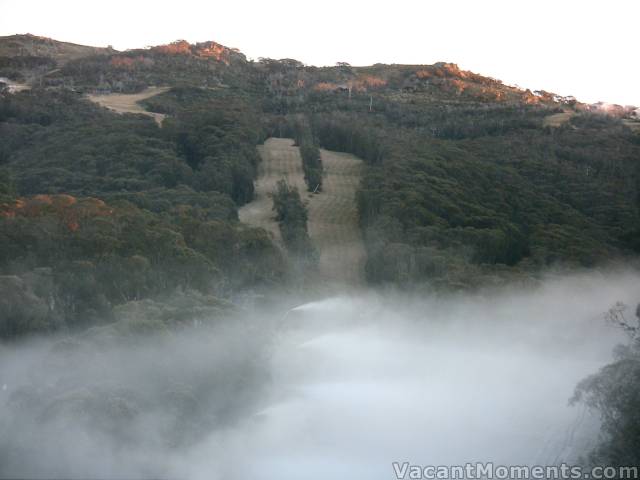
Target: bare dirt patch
(14, 87)
(633, 125)
(333, 220)
(128, 102)
(558, 119)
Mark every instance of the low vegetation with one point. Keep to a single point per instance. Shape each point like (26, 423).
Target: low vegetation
(291, 215)
(100, 209)
(463, 181)
(489, 191)
(615, 394)
(113, 225)
(311, 165)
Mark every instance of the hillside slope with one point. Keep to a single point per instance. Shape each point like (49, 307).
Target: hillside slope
(130, 103)
(34, 46)
(464, 180)
(333, 219)
(31, 59)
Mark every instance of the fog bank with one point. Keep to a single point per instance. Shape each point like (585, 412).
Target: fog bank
(337, 388)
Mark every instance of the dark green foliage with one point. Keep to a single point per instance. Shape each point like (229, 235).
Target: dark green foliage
(615, 393)
(175, 64)
(170, 220)
(519, 196)
(23, 311)
(292, 216)
(280, 85)
(461, 183)
(7, 186)
(74, 147)
(311, 165)
(18, 68)
(465, 172)
(461, 178)
(100, 256)
(216, 134)
(170, 202)
(64, 144)
(350, 133)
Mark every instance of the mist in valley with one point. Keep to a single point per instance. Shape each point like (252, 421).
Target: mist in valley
(219, 263)
(336, 388)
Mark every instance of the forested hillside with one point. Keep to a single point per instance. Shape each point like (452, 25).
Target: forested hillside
(463, 183)
(99, 209)
(30, 58)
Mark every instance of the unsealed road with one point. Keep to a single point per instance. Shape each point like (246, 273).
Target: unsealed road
(128, 102)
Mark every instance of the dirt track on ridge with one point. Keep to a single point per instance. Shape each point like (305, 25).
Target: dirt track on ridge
(128, 102)
(558, 119)
(333, 221)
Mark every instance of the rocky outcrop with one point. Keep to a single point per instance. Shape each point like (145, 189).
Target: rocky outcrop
(211, 50)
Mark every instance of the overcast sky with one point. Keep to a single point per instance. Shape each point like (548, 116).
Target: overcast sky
(584, 48)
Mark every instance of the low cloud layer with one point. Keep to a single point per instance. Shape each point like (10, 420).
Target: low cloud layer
(338, 388)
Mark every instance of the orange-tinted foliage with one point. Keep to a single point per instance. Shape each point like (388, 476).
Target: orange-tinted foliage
(325, 87)
(456, 85)
(359, 84)
(180, 47)
(423, 74)
(364, 82)
(203, 50)
(122, 62)
(214, 50)
(529, 98)
(69, 210)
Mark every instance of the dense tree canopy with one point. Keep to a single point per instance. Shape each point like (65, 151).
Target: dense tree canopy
(100, 209)
(463, 180)
(467, 187)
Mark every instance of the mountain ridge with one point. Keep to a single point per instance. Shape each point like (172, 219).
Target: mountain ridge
(35, 45)
(445, 74)
(466, 182)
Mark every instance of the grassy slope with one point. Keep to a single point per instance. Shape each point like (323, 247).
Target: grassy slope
(333, 220)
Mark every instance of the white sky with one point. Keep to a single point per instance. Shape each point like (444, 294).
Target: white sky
(584, 48)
